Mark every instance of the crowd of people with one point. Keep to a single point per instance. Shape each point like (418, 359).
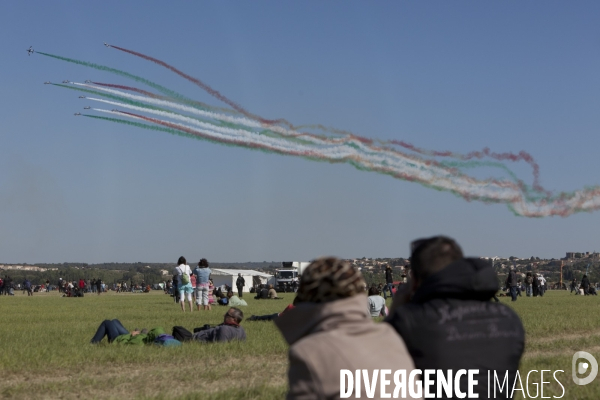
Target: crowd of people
(442, 318)
(446, 302)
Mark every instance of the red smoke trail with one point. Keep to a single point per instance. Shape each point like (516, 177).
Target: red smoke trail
(208, 89)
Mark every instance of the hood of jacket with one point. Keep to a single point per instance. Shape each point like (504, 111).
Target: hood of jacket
(308, 318)
(467, 279)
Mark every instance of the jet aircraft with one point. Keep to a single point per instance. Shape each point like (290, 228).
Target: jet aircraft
(77, 114)
(47, 83)
(86, 108)
(30, 50)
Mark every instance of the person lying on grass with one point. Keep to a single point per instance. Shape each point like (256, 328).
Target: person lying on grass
(229, 330)
(271, 317)
(116, 333)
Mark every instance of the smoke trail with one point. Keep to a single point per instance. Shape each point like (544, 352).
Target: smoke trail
(200, 104)
(497, 156)
(521, 156)
(215, 93)
(124, 74)
(249, 131)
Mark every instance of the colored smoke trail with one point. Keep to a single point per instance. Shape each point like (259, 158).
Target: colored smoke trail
(439, 170)
(206, 88)
(500, 157)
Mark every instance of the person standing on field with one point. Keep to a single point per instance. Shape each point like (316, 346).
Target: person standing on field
(529, 284)
(202, 273)
(542, 284)
(585, 284)
(511, 283)
(240, 283)
(389, 281)
(183, 273)
(99, 286)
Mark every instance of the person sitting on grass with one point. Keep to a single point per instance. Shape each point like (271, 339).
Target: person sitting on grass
(229, 330)
(376, 303)
(272, 294)
(262, 293)
(235, 301)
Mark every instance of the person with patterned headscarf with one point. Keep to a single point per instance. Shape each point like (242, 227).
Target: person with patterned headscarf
(330, 329)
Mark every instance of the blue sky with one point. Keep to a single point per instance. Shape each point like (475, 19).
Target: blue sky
(456, 76)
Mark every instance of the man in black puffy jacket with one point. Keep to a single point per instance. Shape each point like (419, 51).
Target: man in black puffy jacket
(447, 321)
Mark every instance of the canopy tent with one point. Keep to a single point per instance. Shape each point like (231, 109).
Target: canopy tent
(222, 276)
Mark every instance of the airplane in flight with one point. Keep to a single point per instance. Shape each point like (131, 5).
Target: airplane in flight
(106, 44)
(77, 114)
(47, 83)
(30, 50)
(86, 108)
(88, 81)
(65, 81)
(82, 97)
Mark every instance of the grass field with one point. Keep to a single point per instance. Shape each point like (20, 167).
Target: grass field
(46, 351)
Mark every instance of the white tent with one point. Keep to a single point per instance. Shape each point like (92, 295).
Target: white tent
(228, 277)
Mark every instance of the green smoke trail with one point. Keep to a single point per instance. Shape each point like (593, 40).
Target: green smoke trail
(168, 92)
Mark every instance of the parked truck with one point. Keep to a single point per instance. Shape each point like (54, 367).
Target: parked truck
(287, 277)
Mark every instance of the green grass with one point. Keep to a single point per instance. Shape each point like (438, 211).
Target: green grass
(46, 351)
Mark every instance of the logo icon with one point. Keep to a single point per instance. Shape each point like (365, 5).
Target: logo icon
(583, 367)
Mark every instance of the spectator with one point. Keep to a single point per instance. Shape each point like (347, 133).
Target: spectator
(47, 285)
(542, 285)
(445, 316)
(535, 286)
(235, 301)
(574, 286)
(376, 303)
(529, 284)
(330, 329)
(585, 284)
(211, 289)
(27, 287)
(184, 287)
(202, 273)
(262, 293)
(271, 317)
(272, 294)
(99, 286)
(389, 281)
(511, 283)
(229, 330)
(240, 282)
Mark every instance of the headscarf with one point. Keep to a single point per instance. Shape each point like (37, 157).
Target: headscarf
(329, 279)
